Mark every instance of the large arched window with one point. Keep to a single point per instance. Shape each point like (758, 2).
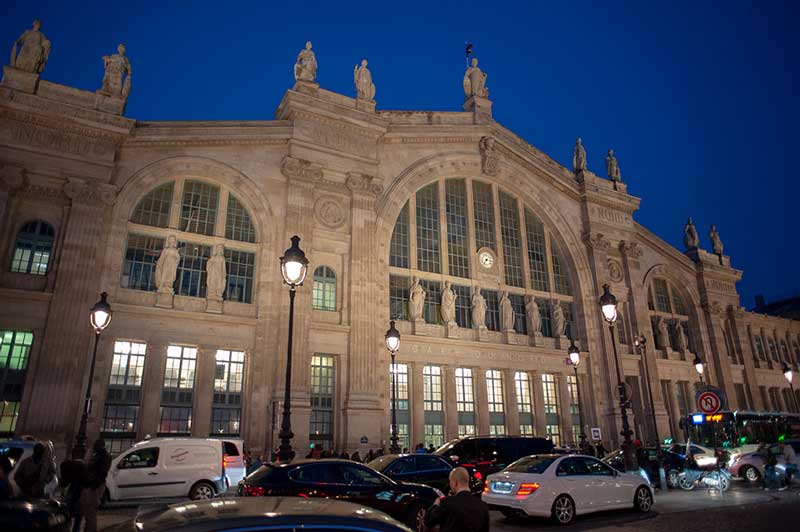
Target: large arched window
(323, 296)
(475, 235)
(200, 214)
(33, 248)
(667, 309)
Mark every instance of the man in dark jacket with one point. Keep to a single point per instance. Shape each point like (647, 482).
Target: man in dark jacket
(94, 484)
(34, 473)
(460, 512)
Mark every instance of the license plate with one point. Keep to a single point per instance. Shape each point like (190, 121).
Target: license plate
(502, 487)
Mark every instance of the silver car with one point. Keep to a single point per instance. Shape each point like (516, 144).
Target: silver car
(750, 466)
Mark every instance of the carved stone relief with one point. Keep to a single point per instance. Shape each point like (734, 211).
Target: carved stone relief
(329, 212)
(363, 183)
(490, 159)
(301, 169)
(614, 270)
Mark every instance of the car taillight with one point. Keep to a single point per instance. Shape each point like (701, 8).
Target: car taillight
(477, 475)
(486, 488)
(254, 491)
(526, 488)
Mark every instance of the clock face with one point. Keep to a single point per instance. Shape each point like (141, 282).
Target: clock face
(486, 259)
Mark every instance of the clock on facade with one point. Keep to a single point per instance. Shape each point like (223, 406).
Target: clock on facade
(486, 259)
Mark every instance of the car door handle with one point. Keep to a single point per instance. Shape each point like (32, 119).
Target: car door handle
(152, 473)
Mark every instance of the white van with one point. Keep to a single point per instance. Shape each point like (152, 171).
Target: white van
(169, 467)
(233, 455)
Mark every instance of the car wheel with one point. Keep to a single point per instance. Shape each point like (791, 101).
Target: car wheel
(751, 474)
(416, 518)
(685, 483)
(672, 478)
(724, 482)
(563, 511)
(643, 499)
(201, 491)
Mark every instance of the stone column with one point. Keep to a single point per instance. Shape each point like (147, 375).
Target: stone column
(718, 361)
(741, 343)
(565, 415)
(155, 363)
(481, 401)
(61, 376)
(11, 179)
(510, 400)
(450, 403)
(417, 406)
(203, 396)
(539, 417)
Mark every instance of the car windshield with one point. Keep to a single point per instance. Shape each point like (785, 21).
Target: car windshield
(531, 464)
(380, 463)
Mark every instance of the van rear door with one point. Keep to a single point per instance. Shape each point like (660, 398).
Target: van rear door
(234, 461)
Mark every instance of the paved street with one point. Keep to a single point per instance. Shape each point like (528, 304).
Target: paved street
(742, 508)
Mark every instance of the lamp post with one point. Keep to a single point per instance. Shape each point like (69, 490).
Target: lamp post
(788, 373)
(575, 358)
(99, 317)
(608, 305)
(640, 342)
(393, 344)
(294, 266)
(699, 368)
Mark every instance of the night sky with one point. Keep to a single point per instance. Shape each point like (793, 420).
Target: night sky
(696, 98)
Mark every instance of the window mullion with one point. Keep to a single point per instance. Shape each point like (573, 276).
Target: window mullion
(473, 251)
(412, 232)
(523, 235)
(444, 259)
(222, 213)
(498, 237)
(549, 259)
(177, 203)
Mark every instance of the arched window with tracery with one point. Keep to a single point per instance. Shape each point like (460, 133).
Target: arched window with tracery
(200, 214)
(666, 305)
(459, 230)
(33, 248)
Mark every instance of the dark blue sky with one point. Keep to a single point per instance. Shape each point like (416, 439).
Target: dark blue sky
(696, 98)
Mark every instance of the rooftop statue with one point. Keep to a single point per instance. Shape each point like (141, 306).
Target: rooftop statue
(612, 167)
(578, 157)
(31, 50)
(690, 238)
(365, 89)
(475, 82)
(117, 66)
(305, 68)
(716, 243)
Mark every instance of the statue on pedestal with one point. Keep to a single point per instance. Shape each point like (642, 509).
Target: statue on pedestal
(612, 167)
(416, 300)
(167, 265)
(506, 312)
(305, 68)
(534, 315)
(662, 333)
(365, 89)
(690, 238)
(31, 50)
(578, 157)
(478, 309)
(117, 66)
(448, 304)
(683, 341)
(557, 319)
(716, 243)
(475, 82)
(216, 273)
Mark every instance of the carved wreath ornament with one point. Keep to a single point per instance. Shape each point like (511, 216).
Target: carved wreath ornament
(329, 212)
(614, 270)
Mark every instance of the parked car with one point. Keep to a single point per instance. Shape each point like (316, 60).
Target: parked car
(233, 455)
(19, 449)
(429, 469)
(43, 514)
(276, 514)
(750, 466)
(563, 486)
(343, 480)
(672, 462)
(704, 456)
(490, 454)
(169, 467)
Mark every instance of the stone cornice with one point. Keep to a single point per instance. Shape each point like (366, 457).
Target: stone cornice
(363, 183)
(301, 169)
(235, 141)
(81, 191)
(662, 247)
(59, 124)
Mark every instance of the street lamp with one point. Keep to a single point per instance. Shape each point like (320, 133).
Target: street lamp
(393, 344)
(294, 266)
(608, 305)
(640, 343)
(575, 358)
(699, 367)
(99, 317)
(789, 374)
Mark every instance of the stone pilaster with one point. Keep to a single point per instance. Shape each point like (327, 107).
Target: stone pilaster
(417, 428)
(11, 179)
(539, 417)
(741, 344)
(510, 401)
(565, 415)
(203, 397)
(481, 401)
(719, 364)
(155, 363)
(67, 343)
(450, 403)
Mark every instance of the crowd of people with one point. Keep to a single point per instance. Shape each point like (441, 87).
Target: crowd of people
(83, 482)
(772, 480)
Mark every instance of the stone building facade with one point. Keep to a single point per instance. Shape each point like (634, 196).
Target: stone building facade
(384, 201)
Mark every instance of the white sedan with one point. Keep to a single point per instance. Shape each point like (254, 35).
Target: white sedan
(561, 487)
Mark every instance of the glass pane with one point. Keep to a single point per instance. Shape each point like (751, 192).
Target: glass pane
(512, 240)
(398, 251)
(457, 243)
(428, 228)
(191, 275)
(139, 267)
(241, 271)
(153, 209)
(398, 297)
(560, 278)
(199, 207)
(483, 205)
(238, 225)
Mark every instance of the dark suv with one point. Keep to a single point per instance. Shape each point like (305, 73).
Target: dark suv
(490, 454)
(342, 480)
(429, 469)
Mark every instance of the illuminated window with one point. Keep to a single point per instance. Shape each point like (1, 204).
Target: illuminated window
(497, 430)
(400, 372)
(464, 397)
(554, 433)
(526, 430)
(466, 430)
(432, 388)
(33, 248)
(494, 390)
(550, 394)
(15, 347)
(322, 396)
(428, 229)
(199, 207)
(523, 387)
(434, 435)
(323, 296)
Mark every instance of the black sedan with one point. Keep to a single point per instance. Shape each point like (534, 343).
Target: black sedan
(343, 480)
(276, 514)
(35, 514)
(429, 469)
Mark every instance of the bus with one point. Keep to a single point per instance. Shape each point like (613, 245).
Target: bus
(740, 430)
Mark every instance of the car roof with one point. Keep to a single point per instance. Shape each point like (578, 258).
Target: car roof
(277, 509)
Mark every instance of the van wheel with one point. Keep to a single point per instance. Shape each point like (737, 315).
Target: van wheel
(563, 511)
(201, 491)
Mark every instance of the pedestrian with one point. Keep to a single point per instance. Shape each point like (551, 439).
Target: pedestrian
(356, 457)
(790, 462)
(461, 511)
(769, 465)
(344, 456)
(370, 457)
(70, 480)
(601, 451)
(405, 450)
(34, 473)
(6, 491)
(94, 485)
(256, 463)
(420, 449)
(431, 449)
